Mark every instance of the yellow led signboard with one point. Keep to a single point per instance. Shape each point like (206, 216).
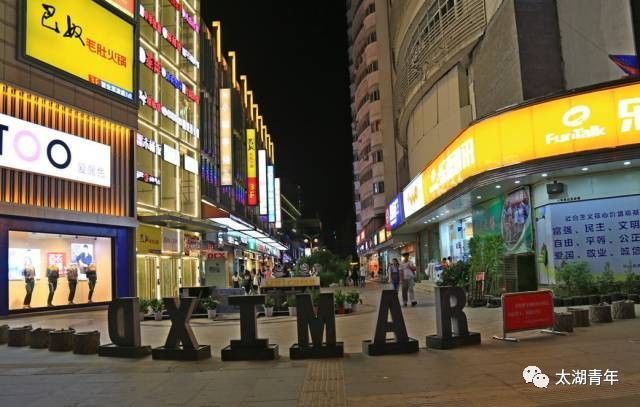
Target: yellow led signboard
(84, 40)
(595, 120)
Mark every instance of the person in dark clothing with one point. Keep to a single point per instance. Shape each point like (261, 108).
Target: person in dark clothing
(394, 274)
(92, 276)
(355, 276)
(53, 273)
(246, 282)
(29, 273)
(72, 279)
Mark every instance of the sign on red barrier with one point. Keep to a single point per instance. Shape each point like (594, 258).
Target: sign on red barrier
(526, 311)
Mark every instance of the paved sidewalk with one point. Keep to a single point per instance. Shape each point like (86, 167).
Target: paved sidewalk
(486, 375)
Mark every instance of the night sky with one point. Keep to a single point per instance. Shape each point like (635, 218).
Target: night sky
(294, 54)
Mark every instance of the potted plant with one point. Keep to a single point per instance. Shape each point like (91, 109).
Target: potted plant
(143, 307)
(268, 306)
(211, 304)
(339, 299)
(156, 306)
(353, 299)
(291, 304)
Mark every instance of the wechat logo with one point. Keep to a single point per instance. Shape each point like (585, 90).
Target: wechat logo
(533, 374)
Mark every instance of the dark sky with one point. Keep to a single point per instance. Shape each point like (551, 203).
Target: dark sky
(294, 54)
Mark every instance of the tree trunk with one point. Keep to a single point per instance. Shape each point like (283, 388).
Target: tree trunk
(61, 340)
(19, 336)
(4, 334)
(40, 338)
(624, 310)
(86, 343)
(580, 316)
(563, 321)
(600, 313)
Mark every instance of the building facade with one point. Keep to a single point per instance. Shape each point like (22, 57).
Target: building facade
(66, 155)
(513, 116)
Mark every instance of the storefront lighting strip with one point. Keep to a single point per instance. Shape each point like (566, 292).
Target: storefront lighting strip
(255, 234)
(233, 223)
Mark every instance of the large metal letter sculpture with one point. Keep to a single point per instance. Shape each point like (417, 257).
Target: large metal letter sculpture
(181, 343)
(449, 304)
(324, 321)
(249, 346)
(402, 343)
(124, 330)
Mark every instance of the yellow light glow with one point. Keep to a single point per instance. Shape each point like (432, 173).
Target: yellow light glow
(218, 27)
(243, 79)
(232, 57)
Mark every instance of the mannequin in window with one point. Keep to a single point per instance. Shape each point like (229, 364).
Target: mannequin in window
(72, 279)
(29, 274)
(53, 273)
(92, 276)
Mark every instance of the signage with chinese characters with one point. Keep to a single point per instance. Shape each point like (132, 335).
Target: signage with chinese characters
(191, 244)
(147, 178)
(191, 20)
(271, 202)
(148, 144)
(592, 120)
(394, 214)
(226, 151)
(527, 310)
(148, 239)
(84, 40)
(147, 59)
(170, 240)
(184, 124)
(33, 148)
(262, 181)
(252, 180)
(599, 231)
(126, 6)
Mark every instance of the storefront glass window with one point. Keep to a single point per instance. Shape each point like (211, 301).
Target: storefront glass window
(168, 181)
(168, 17)
(146, 31)
(146, 163)
(49, 270)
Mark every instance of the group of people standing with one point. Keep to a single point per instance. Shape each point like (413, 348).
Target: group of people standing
(404, 275)
(249, 280)
(358, 276)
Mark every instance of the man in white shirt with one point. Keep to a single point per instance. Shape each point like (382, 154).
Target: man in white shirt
(408, 275)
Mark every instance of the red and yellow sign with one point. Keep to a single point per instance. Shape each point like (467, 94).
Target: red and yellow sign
(126, 6)
(595, 120)
(252, 180)
(83, 39)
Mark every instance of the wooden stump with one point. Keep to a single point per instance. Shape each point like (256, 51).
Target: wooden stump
(600, 313)
(61, 340)
(4, 334)
(563, 321)
(624, 309)
(19, 336)
(40, 338)
(86, 343)
(580, 316)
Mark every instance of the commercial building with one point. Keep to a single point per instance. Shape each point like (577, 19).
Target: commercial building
(517, 119)
(373, 140)
(67, 120)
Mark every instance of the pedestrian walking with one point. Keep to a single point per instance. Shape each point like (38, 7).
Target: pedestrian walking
(355, 276)
(394, 274)
(408, 271)
(363, 277)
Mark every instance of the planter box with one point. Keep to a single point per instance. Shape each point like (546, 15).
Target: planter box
(268, 311)
(157, 316)
(292, 311)
(212, 313)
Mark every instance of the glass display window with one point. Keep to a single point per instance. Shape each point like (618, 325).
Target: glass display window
(50, 270)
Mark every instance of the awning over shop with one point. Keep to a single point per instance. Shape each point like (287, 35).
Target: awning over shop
(183, 222)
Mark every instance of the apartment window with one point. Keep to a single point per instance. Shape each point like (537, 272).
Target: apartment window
(377, 156)
(375, 95)
(375, 125)
(366, 176)
(367, 202)
(378, 187)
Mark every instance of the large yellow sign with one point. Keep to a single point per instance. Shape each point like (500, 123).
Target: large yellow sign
(83, 39)
(148, 240)
(595, 120)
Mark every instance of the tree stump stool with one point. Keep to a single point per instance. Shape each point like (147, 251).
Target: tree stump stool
(40, 338)
(600, 313)
(580, 316)
(4, 334)
(86, 343)
(19, 336)
(61, 340)
(624, 309)
(563, 321)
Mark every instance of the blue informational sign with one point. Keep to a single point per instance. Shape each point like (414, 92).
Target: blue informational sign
(598, 231)
(394, 213)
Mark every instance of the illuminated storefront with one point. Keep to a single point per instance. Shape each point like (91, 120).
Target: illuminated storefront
(546, 167)
(168, 148)
(67, 223)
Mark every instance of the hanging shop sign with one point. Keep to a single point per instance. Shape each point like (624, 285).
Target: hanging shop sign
(184, 124)
(126, 6)
(147, 178)
(82, 39)
(226, 152)
(271, 202)
(582, 122)
(262, 181)
(252, 181)
(191, 244)
(33, 148)
(147, 59)
(170, 241)
(148, 240)
(394, 214)
(191, 164)
(278, 203)
(148, 144)
(168, 36)
(192, 21)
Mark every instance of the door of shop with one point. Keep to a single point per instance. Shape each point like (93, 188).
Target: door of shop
(168, 277)
(147, 279)
(189, 272)
(215, 273)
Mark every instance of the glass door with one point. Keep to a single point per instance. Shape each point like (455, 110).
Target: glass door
(189, 272)
(168, 277)
(146, 276)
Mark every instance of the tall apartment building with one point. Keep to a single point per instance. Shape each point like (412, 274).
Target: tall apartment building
(371, 112)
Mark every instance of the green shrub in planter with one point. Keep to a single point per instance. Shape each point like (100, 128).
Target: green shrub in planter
(583, 300)
(634, 297)
(605, 298)
(210, 303)
(270, 302)
(143, 305)
(558, 302)
(616, 296)
(291, 300)
(156, 305)
(353, 297)
(594, 299)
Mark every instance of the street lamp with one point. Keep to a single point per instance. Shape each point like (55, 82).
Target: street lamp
(312, 241)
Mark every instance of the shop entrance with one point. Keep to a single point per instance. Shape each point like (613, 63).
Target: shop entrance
(147, 279)
(168, 277)
(189, 272)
